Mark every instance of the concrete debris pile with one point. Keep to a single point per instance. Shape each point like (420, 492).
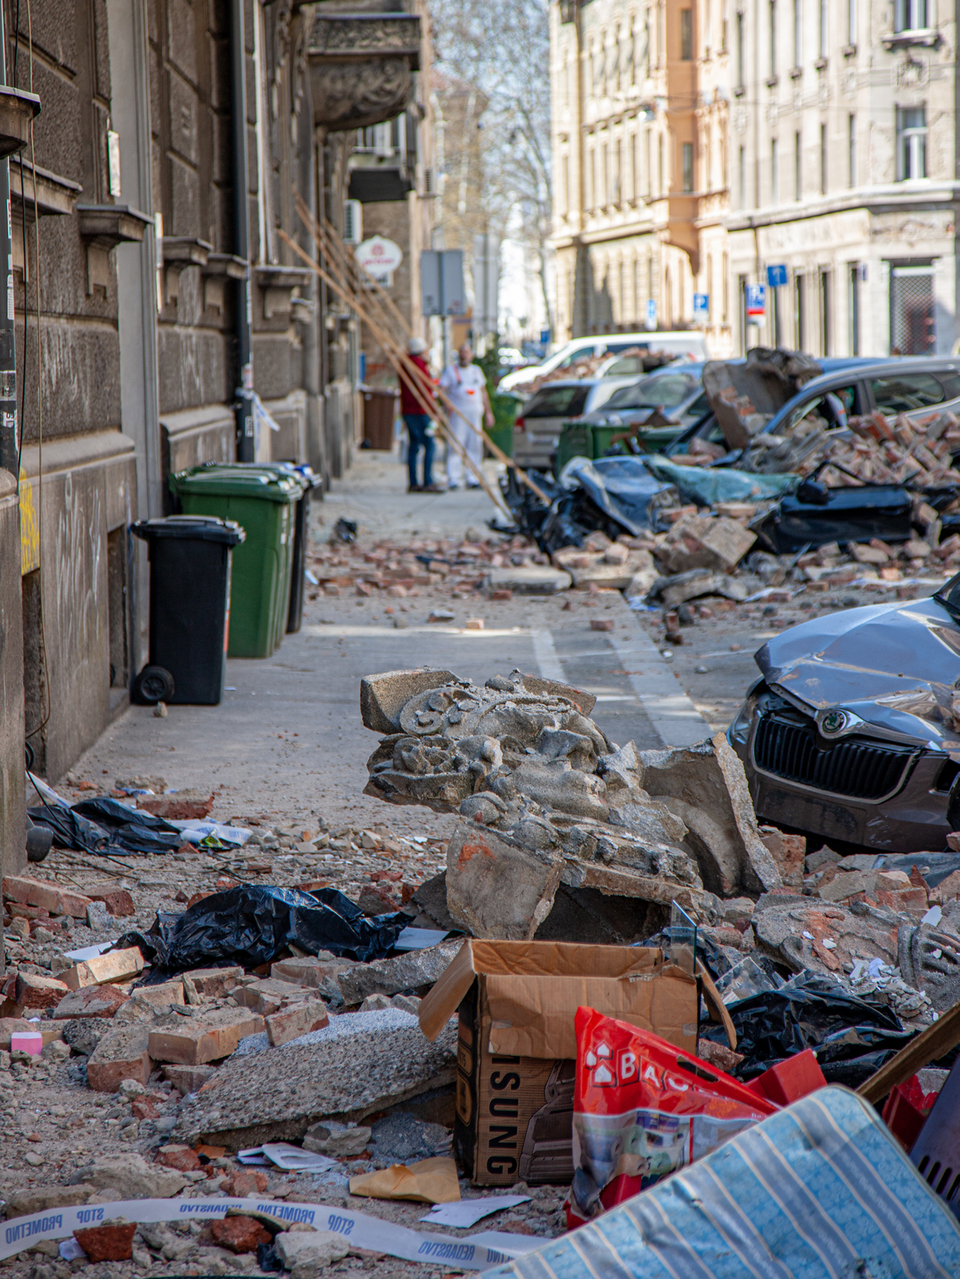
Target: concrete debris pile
(744, 397)
(552, 812)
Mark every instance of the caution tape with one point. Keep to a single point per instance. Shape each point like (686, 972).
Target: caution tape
(356, 1228)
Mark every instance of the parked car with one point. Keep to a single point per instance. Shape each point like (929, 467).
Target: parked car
(853, 732)
(674, 393)
(850, 386)
(678, 343)
(536, 432)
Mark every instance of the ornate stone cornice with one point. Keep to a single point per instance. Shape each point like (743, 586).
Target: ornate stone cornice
(362, 67)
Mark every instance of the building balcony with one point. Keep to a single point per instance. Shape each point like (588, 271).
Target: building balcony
(362, 67)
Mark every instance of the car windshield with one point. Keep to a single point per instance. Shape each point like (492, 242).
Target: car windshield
(556, 401)
(657, 392)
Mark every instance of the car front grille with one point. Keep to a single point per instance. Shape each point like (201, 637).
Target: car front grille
(791, 748)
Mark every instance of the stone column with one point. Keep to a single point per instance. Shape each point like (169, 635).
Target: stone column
(12, 803)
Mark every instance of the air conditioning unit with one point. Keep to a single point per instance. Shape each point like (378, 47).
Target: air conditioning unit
(352, 221)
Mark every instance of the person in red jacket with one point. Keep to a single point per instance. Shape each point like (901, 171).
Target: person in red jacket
(417, 420)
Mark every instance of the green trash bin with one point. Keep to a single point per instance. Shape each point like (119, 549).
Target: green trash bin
(262, 501)
(576, 440)
(505, 409)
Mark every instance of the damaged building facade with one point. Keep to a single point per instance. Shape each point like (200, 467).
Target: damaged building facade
(697, 146)
(843, 169)
(159, 311)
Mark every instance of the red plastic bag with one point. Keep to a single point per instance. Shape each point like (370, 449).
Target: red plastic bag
(642, 1109)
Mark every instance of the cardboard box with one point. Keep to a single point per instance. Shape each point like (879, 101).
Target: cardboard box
(517, 1047)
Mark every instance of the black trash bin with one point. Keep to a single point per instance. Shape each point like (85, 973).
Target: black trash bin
(301, 532)
(189, 608)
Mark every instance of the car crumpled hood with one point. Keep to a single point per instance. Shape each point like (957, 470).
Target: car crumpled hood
(894, 665)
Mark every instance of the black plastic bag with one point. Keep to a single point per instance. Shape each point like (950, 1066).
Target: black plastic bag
(250, 924)
(70, 830)
(130, 830)
(103, 825)
(850, 1037)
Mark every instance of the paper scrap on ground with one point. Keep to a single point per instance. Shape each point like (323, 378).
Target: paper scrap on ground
(419, 938)
(432, 1181)
(211, 833)
(294, 1159)
(370, 1233)
(88, 952)
(469, 1211)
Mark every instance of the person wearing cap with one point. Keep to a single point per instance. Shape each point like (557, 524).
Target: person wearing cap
(416, 420)
(466, 388)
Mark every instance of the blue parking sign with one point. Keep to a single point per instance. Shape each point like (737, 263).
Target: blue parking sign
(756, 299)
(701, 306)
(651, 320)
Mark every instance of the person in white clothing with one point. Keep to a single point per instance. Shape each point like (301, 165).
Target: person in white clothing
(466, 388)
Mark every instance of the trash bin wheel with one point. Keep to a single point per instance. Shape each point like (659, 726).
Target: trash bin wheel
(153, 684)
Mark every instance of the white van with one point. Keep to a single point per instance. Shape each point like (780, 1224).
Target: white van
(681, 343)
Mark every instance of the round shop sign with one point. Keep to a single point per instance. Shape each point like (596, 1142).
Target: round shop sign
(379, 256)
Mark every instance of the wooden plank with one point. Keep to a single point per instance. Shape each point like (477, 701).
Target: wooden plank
(929, 1045)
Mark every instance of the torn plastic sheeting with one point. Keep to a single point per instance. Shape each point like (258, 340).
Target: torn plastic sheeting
(622, 488)
(369, 1233)
(850, 1037)
(252, 923)
(854, 514)
(707, 485)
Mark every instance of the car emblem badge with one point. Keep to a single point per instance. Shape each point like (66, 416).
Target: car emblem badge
(832, 723)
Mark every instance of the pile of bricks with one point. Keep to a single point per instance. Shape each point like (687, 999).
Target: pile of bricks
(915, 451)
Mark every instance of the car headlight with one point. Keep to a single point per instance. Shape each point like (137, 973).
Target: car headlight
(738, 734)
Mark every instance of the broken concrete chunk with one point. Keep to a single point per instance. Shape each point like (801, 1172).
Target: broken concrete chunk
(268, 994)
(339, 1141)
(823, 937)
(114, 965)
(187, 1079)
(322, 975)
(33, 991)
(745, 396)
(358, 1064)
(304, 1253)
(122, 1053)
(788, 852)
(706, 787)
(496, 889)
(390, 976)
(532, 579)
(209, 1035)
(383, 696)
(21, 1203)
(130, 1176)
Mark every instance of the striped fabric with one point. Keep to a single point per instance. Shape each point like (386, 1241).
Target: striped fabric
(819, 1191)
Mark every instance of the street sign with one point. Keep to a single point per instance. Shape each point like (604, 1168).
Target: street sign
(379, 256)
(776, 275)
(756, 299)
(701, 307)
(441, 281)
(651, 320)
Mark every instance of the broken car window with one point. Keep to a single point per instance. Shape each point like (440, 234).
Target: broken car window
(907, 391)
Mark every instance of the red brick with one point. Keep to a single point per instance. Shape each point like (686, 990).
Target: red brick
(122, 1053)
(90, 1001)
(117, 900)
(182, 1158)
(41, 892)
(240, 1234)
(601, 623)
(296, 1020)
(107, 1243)
(909, 899)
(244, 1182)
(34, 991)
(144, 1108)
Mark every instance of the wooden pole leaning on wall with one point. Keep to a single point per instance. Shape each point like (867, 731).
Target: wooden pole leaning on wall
(351, 272)
(402, 367)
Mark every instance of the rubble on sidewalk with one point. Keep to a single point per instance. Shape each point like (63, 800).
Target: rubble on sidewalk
(546, 799)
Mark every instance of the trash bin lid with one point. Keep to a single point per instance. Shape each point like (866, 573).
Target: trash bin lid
(304, 474)
(228, 480)
(196, 528)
